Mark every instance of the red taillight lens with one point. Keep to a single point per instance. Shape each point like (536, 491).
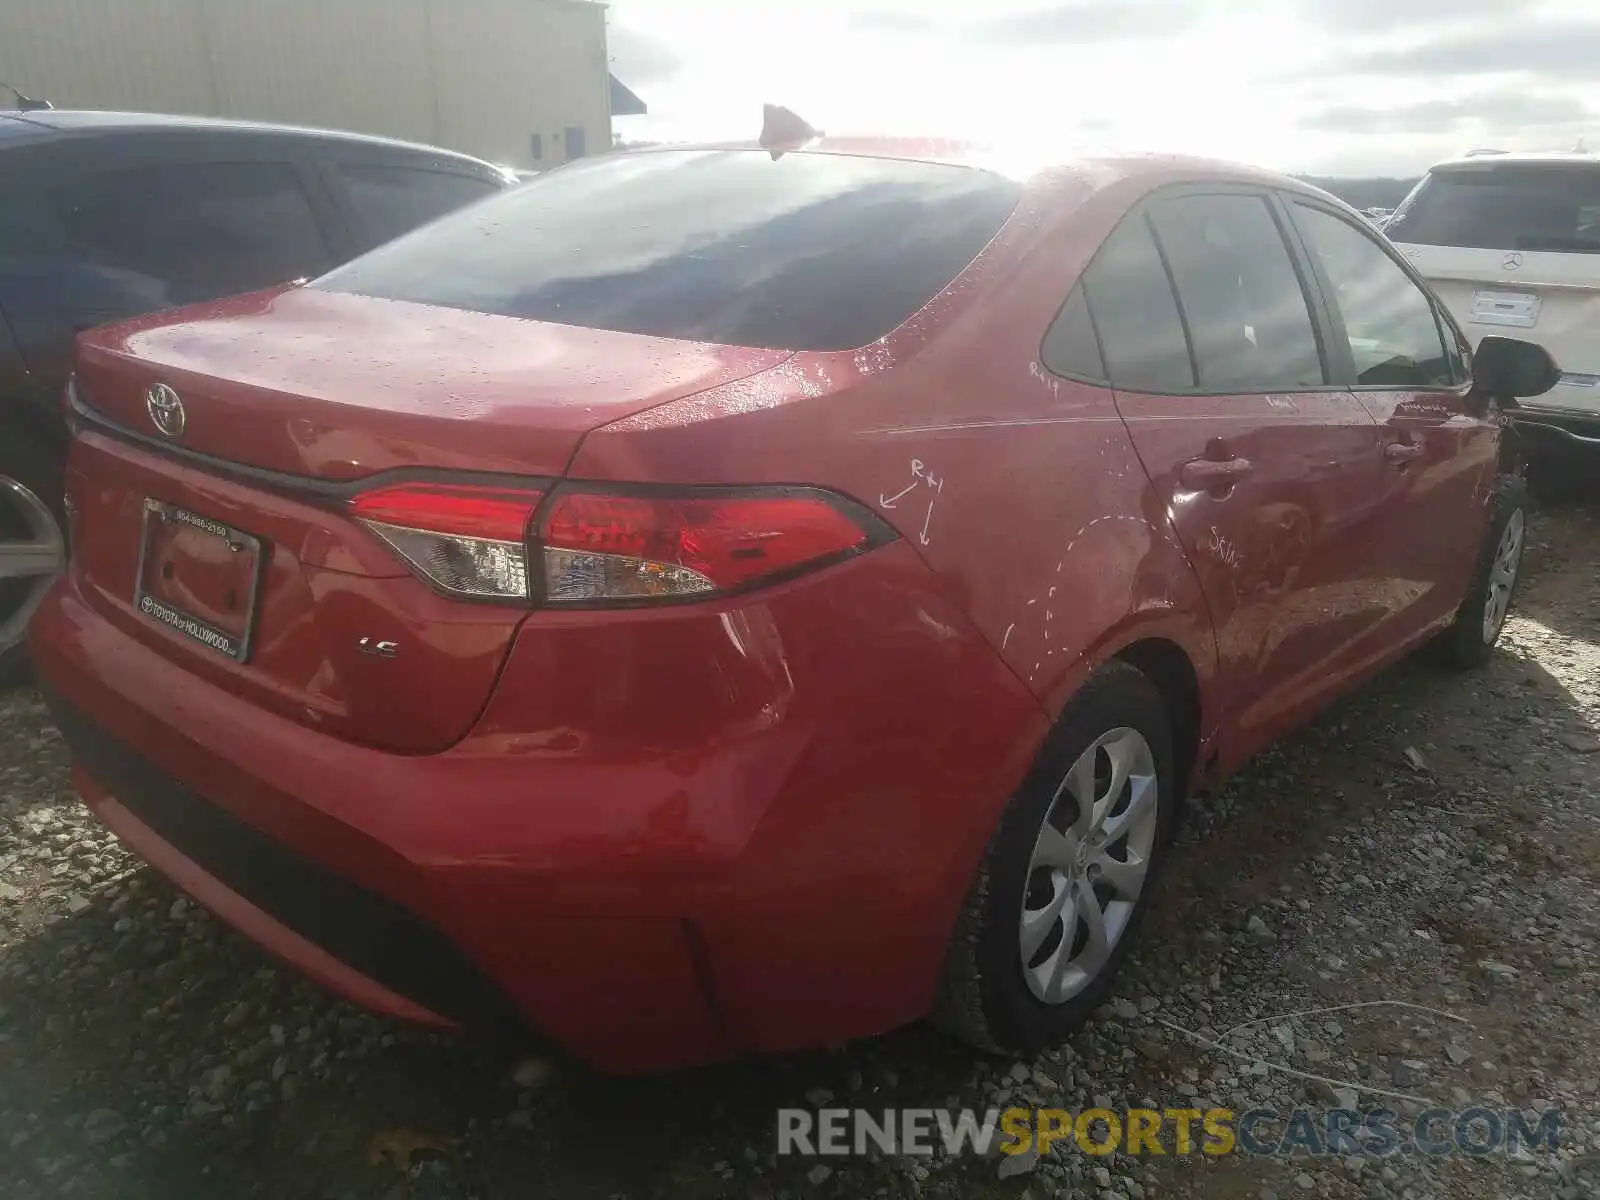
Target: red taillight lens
(604, 548)
(465, 539)
(483, 512)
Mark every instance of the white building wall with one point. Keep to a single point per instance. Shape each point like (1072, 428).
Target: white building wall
(508, 69)
(480, 76)
(349, 64)
(146, 55)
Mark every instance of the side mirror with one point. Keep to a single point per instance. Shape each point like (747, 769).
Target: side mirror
(1507, 368)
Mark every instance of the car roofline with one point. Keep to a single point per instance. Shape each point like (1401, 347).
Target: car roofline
(1489, 161)
(1102, 166)
(120, 124)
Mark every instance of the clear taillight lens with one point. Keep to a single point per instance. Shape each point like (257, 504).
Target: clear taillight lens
(593, 547)
(469, 541)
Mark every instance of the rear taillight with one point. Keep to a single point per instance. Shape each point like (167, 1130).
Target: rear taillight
(591, 547)
(466, 540)
(601, 547)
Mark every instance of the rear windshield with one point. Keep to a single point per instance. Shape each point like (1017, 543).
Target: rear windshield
(811, 252)
(1504, 207)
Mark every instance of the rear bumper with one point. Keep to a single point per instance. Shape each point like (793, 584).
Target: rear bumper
(623, 994)
(669, 839)
(233, 907)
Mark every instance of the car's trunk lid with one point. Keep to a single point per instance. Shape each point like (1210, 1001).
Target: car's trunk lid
(338, 387)
(258, 580)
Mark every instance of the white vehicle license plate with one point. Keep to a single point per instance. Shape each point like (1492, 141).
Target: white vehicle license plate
(1517, 309)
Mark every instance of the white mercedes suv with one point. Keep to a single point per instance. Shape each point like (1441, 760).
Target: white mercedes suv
(1511, 242)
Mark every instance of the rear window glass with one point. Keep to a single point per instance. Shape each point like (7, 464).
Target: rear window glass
(1504, 207)
(811, 252)
(392, 200)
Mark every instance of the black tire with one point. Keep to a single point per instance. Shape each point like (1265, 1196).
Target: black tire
(29, 463)
(985, 998)
(1471, 638)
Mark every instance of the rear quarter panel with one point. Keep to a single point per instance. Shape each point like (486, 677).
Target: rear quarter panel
(1046, 553)
(1019, 489)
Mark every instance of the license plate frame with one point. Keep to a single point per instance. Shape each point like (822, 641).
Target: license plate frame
(1509, 310)
(163, 613)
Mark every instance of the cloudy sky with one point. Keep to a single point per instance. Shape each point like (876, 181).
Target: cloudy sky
(1338, 86)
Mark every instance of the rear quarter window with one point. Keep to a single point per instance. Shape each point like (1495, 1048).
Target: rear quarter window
(1072, 348)
(813, 251)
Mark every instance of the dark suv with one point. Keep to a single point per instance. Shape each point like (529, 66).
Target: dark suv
(111, 215)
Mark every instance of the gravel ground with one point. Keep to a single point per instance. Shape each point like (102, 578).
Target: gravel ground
(1435, 840)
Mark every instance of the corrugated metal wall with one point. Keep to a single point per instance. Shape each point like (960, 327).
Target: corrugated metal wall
(488, 77)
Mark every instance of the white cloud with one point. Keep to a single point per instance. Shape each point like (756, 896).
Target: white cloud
(1294, 84)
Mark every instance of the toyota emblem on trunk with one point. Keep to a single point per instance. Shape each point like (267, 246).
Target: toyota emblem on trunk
(165, 409)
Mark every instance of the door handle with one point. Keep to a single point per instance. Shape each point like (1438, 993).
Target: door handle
(1208, 474)
(1403, 452)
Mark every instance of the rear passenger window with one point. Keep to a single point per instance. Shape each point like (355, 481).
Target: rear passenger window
(1071, 348)
(391, 200)
(195, 231)
(1390, 322)
(1242, 300)
(1141, 333)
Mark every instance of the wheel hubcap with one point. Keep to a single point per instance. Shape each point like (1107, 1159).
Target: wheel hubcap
(1089, 865)
(32, 554)
(1503, 576)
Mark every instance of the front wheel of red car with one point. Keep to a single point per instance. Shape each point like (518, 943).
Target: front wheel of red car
(1056, 904)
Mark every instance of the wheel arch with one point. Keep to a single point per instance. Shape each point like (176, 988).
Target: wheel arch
(1168, 666)
(30, 414)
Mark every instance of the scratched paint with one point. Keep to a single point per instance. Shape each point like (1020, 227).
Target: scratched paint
(1043, 629)
(1220, 548)
(928, 483)
(1051, 383)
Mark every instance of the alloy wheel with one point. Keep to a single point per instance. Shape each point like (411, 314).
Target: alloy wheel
(32, 553)
(1089, 865)
(1503, 576)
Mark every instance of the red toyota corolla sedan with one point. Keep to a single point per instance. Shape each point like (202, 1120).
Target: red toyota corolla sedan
(705, 602)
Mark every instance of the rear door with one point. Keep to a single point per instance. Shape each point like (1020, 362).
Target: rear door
(1407, 367)
(198, 230)
(109, 228)
(1514, 248)
(1266, 466)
